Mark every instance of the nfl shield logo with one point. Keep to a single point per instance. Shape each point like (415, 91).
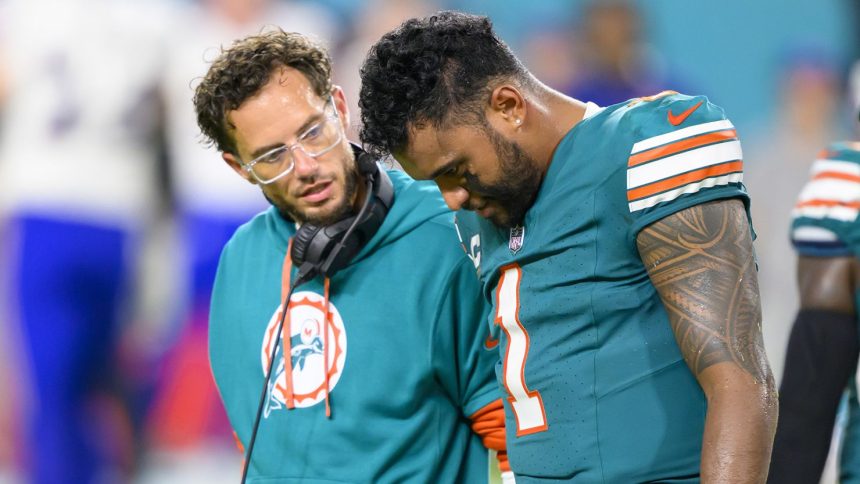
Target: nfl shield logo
(516, 241)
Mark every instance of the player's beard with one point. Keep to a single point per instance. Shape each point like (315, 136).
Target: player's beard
(518, 185)
(342, 210)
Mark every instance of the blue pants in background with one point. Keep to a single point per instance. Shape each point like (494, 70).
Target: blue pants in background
(69, 286)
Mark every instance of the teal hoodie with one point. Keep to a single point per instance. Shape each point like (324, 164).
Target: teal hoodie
(406, 359)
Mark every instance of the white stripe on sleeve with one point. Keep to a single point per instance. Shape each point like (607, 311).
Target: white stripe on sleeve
(813, 234)
(683, 162)
(686, 189)
(832, 189)
(836, 212)
(680, 134)
(845, 167)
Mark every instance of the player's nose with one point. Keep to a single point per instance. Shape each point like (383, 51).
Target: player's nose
(455, 196)
(304, 165)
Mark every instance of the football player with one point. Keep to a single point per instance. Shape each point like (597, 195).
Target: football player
(614, 244)
(823, 347)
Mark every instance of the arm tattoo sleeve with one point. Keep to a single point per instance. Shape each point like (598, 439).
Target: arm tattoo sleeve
(701, 262)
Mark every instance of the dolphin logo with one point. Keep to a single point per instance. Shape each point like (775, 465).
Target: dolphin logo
(308, 383)
(299, 351)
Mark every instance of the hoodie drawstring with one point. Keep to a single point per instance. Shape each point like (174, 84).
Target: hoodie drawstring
(286, 334)
(325, 347)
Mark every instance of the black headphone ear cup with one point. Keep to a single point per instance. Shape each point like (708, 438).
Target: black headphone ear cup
(327, 249)
(366, 163)
(302, 241)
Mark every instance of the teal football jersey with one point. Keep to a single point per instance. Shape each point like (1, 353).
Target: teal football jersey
(404, 347)
(825, 224)
(597, 388)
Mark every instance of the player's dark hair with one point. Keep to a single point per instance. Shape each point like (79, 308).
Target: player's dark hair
(439, 70)
(241, 70)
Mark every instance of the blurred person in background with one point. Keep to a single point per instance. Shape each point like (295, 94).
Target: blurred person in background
(79, 154)
(186, 413)
(614, 63)
(549, 52)
(9, 351)
(821, 357)
(778, 166)
(614, 244)
(381, 373)
(373, 18)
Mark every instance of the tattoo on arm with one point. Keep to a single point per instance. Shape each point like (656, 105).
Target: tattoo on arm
(701, 262)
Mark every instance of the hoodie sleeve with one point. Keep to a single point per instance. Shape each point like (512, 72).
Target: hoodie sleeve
(463, 337)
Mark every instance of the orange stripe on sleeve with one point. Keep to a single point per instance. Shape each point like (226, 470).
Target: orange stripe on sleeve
(837, 175)
(489, 424)
(684, 179)
(682, 145)
(828, 203)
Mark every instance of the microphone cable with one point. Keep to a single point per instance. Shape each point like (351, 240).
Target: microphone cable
(368, 201)
(306, 273)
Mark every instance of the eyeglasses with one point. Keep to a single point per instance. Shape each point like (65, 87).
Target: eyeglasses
(316, 141)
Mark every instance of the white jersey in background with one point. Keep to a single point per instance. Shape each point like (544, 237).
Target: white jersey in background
(81, 110)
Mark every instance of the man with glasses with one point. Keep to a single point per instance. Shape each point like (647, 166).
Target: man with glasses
(390, 376)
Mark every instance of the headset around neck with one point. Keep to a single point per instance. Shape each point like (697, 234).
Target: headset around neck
(324, 250)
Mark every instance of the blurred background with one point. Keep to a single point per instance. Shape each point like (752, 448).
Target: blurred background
(113, 213)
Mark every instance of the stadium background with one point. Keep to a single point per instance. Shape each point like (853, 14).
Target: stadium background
(781, 69)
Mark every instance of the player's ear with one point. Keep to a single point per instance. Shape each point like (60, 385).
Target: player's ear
(341, 105)
(508, 106)
(236, 165)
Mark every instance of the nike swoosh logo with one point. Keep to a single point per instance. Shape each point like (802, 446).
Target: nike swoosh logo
(676, 120)
(490, 343)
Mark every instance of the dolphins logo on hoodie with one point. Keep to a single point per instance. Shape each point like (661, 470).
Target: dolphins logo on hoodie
(310, 359)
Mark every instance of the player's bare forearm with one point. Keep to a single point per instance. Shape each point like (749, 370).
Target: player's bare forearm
(828, 283)
(701, 262)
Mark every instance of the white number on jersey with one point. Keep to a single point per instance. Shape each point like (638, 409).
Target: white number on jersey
(527, 404)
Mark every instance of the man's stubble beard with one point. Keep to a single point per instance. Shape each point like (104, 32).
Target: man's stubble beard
(343, 209)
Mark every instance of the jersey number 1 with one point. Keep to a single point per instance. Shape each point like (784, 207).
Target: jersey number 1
(526, 404)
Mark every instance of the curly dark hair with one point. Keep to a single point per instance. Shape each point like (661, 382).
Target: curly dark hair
(439, 70)
(241, 70)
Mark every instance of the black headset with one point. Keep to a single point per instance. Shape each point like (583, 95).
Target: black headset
(327, 249)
